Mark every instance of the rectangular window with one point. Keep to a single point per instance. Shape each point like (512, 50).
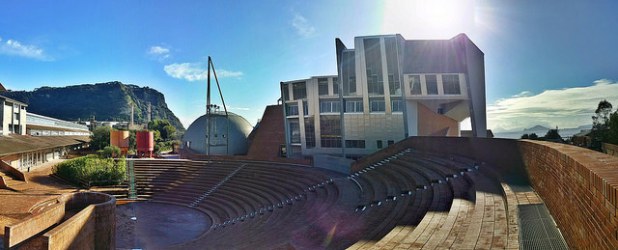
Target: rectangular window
(355, 143)
(431, 82)
(377, 105)
(294, 131)
(330, 141)
(285, 93)
(330, 125)
(392, 65)
(354, 106)
(348, 73)
(390, 142)
(299, 90)
(322, 86)
(450, 84)
(309, 133)
(415, 84)
(373, 64)
(335, 86)
(327, 106)
(396, 105)
(305, 108)
(379, 143)
(292, 109)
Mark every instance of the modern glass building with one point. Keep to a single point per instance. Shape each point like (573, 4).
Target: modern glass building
(391, 88)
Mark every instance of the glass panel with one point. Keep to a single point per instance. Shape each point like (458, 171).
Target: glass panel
(396, 105)
(309, 133)
(348, 68)
(330, 127)
(415, 84)
(285, 93)
(292, 109)
(450, 84)
(432, 84)
(322, 86)
(354, 106)
(299, 90)
(305, 108)
(373, 63)
(294, 131)
(392, 65)
(355, 143)
(377, 105)
(329, 106)
(335, 86)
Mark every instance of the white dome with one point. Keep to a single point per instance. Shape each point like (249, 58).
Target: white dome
(228, 136)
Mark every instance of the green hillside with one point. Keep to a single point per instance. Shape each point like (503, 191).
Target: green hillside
(104, 101)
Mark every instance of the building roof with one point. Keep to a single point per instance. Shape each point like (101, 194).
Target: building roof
(15, 144)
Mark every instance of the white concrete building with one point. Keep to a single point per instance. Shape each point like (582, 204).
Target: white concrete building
(391, 88)
(12, 116)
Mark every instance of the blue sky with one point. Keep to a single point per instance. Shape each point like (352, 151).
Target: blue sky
(539, 55)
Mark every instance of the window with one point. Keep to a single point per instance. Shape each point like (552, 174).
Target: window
(309, 133)
(379, 143)
(299, 90)
(377, 105)
(432, 84)
(373, 64)
(330, 141)
(355, 143)
(322, 86)
(285, 93)
(354, 106)
(396, 105)
(390, 142)
(348, 73)
(292, 109)
(415, 85)
(305, 108)
(392, 65)
(294, 131)
(327, 106)
(450, 84)
(335, 86)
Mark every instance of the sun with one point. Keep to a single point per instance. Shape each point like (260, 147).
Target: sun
(434, 19)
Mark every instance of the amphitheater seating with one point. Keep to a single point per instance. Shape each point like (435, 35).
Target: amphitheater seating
(407, 200)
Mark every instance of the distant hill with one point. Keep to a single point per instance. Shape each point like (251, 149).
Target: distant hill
(106, 101)
(536, 128)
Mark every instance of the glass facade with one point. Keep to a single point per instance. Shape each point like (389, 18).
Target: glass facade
(309, 132)
(450, 84)
(354, 105)
(392, 65)
(335, 86)
(355, 143)
(348, 73)
(299, 90)
(330, 128)
(329, 106)
(373, 64)
(377, 105)
(322, 86)
(291, 109)
(431, 82)
(415, 85)
(396, 105)
(294, 131)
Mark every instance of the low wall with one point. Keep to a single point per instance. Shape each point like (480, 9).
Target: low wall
(579, 186)
(610, 149)
(32, 225)
(93, 227)
(13, 171)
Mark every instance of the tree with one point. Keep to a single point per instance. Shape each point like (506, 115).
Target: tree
(533, 136)
(525, 136)
(600, 125)
(110, 152)
(165, 129)
(100, 138)
(612, 135)
(553, 135)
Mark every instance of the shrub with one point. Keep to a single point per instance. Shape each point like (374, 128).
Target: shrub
(91, 170)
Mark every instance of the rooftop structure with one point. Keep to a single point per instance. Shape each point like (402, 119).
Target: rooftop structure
(391, 88)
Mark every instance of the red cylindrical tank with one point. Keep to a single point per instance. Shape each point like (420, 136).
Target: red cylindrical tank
(120, 139)
(145, 143)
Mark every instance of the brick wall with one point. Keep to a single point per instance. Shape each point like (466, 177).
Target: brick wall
(577, 185)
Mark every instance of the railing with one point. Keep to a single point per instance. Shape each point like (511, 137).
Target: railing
(131, 178)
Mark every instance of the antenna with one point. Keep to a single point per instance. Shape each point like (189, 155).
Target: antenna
(209, 106)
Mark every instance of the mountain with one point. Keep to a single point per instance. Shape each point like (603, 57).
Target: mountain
(537, 128)
(110, 101)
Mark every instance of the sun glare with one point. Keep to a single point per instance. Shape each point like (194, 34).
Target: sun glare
(436, 19)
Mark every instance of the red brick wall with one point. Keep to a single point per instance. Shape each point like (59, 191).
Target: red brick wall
(577, 185)
(579, 188)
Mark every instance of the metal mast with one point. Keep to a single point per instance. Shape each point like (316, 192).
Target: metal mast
(209, 112)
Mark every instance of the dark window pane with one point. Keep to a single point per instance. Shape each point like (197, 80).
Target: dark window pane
(373, 63)
(322, 86)
(450, 84)
(415, 85)
(432, 84)
(299, 90)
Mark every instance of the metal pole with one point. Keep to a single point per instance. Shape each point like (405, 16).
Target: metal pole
(208, 109)
(227, 138)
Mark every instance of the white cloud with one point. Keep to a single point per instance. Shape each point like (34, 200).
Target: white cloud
(15, 48)
(159, 52)
(302, 26)
(565, 108)
(196, 71)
